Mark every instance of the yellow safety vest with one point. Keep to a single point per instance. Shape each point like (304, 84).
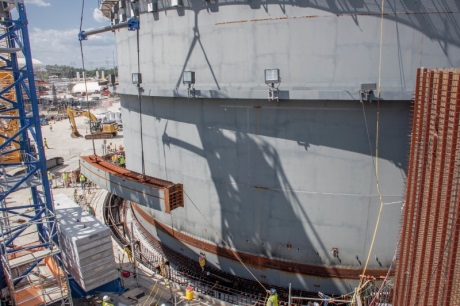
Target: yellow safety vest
(273, 300)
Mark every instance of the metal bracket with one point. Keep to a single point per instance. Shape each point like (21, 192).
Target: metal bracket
(367, 89)
(82, 36)
(133, 24)
(191, 91)
(273, 94)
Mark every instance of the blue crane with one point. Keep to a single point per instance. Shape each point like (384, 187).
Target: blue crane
(22, 139)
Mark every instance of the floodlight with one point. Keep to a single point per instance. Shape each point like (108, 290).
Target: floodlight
(136, 78)
(188, 77)
(272, 76)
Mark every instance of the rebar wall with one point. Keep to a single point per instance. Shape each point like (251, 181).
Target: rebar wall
(429, 264)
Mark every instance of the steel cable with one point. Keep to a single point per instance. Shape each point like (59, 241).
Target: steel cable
(375, 161)
(84, 75)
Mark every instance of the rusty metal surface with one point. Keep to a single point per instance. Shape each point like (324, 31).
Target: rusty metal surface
(114, 169)
(172, 194)
(428, 272)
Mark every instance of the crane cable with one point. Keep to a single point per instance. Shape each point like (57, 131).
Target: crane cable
(222, 239)
(139, 97)
(84, 76)
(375, 161)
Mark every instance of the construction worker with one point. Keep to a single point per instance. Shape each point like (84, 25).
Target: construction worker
(73, 179)
(115, 159)
(121, 161)
(273, 299)
(128, 252)
(90, 210)
(106, 301)
(82, 181)
(45, 143)
(65, 179)
(50, 178)
(202, 261)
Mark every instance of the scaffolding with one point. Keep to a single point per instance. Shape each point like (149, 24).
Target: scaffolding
(29, 247)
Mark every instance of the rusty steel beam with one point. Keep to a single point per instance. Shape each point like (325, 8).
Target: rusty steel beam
(440, 204)
(407, 209)
(432, 181)
(454, 249)
(411, 228)
(421, 201)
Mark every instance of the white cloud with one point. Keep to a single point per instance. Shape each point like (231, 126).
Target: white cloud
(63, 48)
(38, 2)
(98, 16)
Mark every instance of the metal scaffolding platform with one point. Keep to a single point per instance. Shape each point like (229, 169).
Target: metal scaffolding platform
(29, 245)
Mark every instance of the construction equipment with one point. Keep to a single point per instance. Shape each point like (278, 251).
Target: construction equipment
(98, 130)
(8, 128)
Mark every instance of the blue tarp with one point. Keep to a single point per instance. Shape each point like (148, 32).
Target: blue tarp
(78, 292)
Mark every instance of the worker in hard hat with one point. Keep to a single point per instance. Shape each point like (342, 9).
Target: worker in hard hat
(273, 298)
(202, 261)
(106, 301)
(129, 253)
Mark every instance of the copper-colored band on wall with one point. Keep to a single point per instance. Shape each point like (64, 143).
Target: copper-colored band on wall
(252, 260)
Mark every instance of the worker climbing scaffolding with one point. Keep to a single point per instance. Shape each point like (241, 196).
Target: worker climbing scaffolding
(128, 252)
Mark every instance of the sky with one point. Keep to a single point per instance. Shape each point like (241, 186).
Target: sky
(53, 29)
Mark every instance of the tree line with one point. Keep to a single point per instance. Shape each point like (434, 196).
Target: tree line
(71, 72)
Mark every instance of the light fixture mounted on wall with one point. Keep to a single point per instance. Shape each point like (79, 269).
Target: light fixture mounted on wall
(136, 78)
(367, 89)
(134, 8)
(152, 6)
(272, 78)
(188, 78)
(176, 3)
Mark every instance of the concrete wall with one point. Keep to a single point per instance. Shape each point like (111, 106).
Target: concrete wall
(300, 171)
(324, 49)
(265, 176)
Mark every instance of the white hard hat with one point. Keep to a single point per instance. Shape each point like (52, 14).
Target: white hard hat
(106, 298)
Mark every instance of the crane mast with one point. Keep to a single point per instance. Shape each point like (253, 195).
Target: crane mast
(29, 249)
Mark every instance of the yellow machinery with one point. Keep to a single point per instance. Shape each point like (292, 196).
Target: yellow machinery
(9, 127)
(98, 129)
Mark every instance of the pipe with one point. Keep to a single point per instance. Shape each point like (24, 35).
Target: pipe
(132, 24)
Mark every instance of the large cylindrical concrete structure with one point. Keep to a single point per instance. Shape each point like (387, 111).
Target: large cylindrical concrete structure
(298, 182)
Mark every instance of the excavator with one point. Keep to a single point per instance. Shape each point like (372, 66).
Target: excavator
(98, 129)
